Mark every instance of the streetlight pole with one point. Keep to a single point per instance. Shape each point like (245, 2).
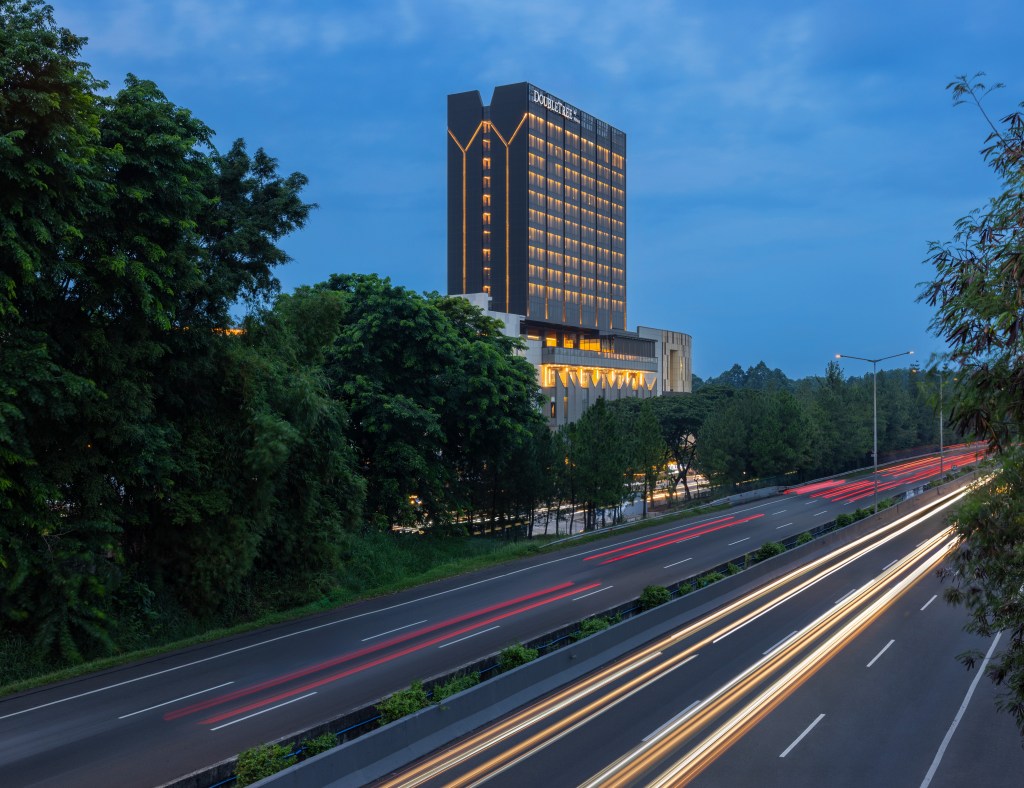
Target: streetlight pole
(874, 403)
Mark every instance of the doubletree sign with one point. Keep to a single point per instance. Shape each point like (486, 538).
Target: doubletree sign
(553, 104)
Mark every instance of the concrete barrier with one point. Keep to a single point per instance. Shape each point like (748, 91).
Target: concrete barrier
(386, 749)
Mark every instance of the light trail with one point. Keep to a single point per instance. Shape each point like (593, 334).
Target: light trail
(497, 735)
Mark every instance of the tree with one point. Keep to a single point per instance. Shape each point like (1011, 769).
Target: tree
(978, 292)
(681, 418)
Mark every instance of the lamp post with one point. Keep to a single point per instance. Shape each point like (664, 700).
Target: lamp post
(874, 398)
(942, 377)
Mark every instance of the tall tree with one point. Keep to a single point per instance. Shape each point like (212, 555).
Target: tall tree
(978, 293)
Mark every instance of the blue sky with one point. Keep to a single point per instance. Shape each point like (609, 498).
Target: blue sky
(787, 162)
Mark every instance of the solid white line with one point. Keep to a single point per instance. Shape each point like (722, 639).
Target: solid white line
(880, 653)
(809, 728)
(956, 720)
(390, 631)
(846, 596)
(453, 642)
(677, 563)
(769, 651)
(590, 593)
(819, 514)
(264, 711)
(929, 601)
(889, 564)
(745, 538)
(783, 526)
(672, 721)
(168, 703)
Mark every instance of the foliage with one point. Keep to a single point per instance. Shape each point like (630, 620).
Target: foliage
(591, 626)
(709, 578)
(768, 550)
(652, 596)
(262, 761)
(318, 744)
(455, 685)
(733, 569)
(515, 655)
(977, 292)
(804, 538)
(403, 703)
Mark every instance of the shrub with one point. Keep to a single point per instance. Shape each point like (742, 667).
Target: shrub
(767, 550)
(843, 520)
(515, 655)
(262, 761)
(709, 578)
(318, 744)
(732, 569)
(590, 626)
(455, 685)
(652, 596)
(402, 703)
(804, 538)
(860, 514)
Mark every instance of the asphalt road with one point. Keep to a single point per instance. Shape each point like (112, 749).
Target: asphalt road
(150, 722)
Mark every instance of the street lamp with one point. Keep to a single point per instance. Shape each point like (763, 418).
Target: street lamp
(874, 396)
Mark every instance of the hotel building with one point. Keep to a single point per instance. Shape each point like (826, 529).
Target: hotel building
(537, 229)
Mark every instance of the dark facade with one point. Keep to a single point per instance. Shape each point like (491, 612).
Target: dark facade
(537, 211)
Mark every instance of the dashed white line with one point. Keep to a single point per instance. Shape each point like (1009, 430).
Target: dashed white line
(819, 514)
(934, 596)
(769, 651)
(891, 563)
(263, 711)
(590, 593)
(846, 596)
(745, 538)
(672, 721)
(453, 642)
(169, 702)
(677, 563)
(781, 511)
(880, 653)
(390, 631)
(798, 739)
(809, 503)
(783, 526)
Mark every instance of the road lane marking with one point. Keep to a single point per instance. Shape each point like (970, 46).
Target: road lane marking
(819, 514)
(672, 721)
(769, 651)
(482, 631)
(809, 503)
(783, 526)
(959, 715)
(846, 596)
(677, 563)
(168, 703)
(929, 601)
(263, 711)
(889, 564)
(591, 593)
(796, 741)
(880, 653)
(745, 538)
(391, 631)
(781, 511)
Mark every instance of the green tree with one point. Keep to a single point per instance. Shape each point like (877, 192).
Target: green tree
(977, 292)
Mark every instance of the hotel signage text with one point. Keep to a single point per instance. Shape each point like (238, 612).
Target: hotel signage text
(555, 105)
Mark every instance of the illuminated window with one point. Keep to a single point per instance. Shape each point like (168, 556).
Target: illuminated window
(486, 143)
(487, 162)
(487, 200)
(487, 181)
(487, 218)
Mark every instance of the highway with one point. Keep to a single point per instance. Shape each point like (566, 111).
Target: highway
(840, 674)
(153, 721)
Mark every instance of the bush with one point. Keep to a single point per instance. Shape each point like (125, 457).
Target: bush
(455, 685)
(402, 703)
(732, 569)
(767, 550)
(860, 514)
(262, 761)
(652, 596)
(318, 744)
(843, 520)
(709, 578)
(804, 538)
(590, 626)
(516, 655)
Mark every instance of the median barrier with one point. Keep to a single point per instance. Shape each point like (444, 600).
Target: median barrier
(384, 750)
